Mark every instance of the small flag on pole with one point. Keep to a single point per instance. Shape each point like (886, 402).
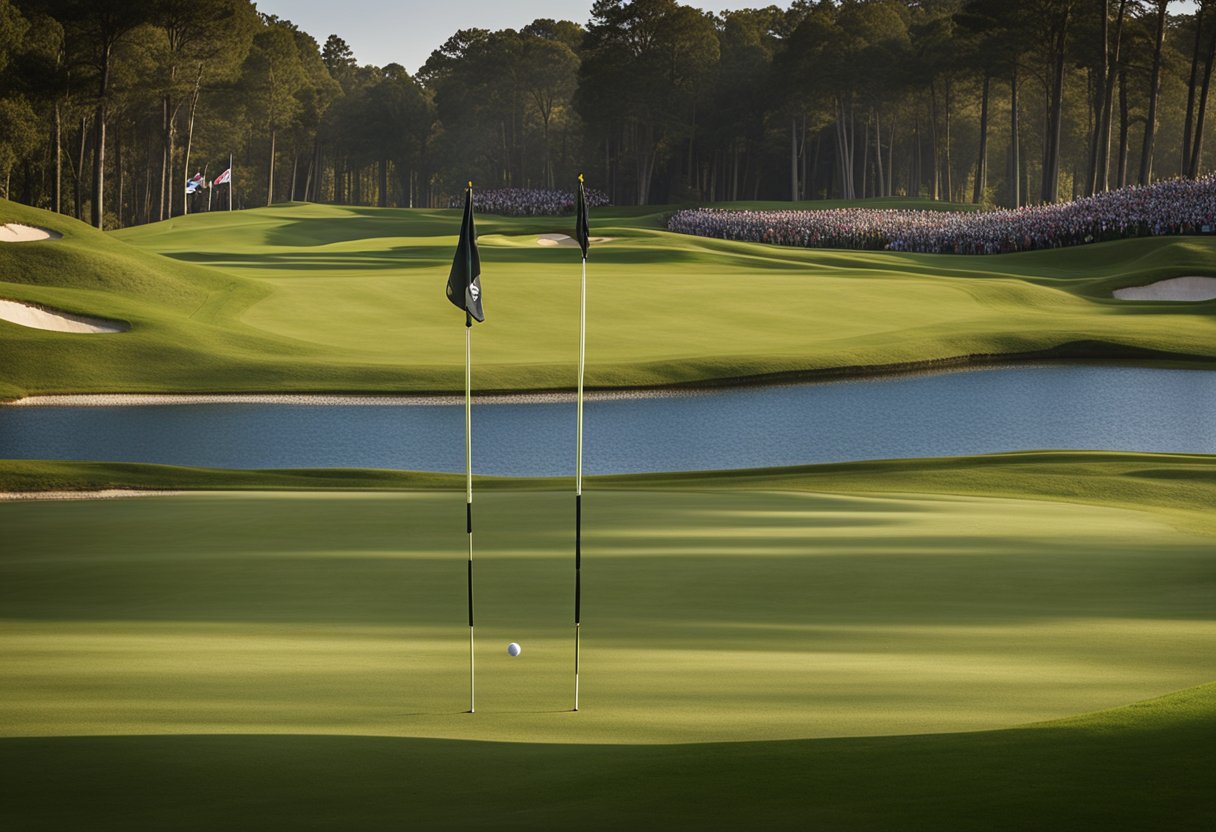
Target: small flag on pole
(581, 232)
(195, 183)
(464, 281)
(224, 178)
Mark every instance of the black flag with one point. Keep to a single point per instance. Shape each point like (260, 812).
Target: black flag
(464, 283)
(581, 234)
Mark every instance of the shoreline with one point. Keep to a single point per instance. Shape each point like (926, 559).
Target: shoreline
(86, 494)
(1074, 353)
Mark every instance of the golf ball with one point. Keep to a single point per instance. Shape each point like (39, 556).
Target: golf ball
(512, 649)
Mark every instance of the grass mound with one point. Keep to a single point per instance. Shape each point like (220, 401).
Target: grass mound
(300, 298)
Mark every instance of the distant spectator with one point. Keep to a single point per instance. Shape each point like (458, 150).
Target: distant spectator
(1176, 206)
(528, 202)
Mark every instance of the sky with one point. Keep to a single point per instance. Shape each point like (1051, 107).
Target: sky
(407, 31)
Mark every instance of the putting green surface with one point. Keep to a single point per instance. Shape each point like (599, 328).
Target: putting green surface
(768, 647)
(323, 298)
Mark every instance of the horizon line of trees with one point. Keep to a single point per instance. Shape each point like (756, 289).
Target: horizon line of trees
(107, 108)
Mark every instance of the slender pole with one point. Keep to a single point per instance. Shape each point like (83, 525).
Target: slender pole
(578, 480)
(230, 177)
(468, 469)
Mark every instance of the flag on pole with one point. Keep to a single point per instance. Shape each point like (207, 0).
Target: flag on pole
(195, 183)
(581, 232)
(464, 291)
(464, 281)
(582, 235)
(224, 178)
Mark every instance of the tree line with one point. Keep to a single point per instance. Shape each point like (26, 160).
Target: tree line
(107, 107)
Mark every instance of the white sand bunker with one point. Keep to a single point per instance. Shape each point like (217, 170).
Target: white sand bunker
(1176, 288)
(16, 233)
(39, 317)
(566, 241)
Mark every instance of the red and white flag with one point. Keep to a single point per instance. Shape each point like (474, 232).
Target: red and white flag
(223, 178)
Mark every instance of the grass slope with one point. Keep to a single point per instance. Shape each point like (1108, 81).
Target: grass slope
(323, 298)
(1147, 766)
(773, 648)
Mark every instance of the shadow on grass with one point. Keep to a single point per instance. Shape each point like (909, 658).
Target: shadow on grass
(1147, 766)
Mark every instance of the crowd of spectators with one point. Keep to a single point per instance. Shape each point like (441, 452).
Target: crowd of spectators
(1175, 206)
(528, 202)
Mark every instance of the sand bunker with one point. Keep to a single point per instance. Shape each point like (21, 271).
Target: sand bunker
(39, 317)
(1176, 288)
(566, 241)
(16, 233)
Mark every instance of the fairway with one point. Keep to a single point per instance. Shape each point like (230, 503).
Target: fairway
(315, 298)
(770, 611)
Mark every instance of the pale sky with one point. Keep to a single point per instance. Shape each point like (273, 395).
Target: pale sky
(407, 31)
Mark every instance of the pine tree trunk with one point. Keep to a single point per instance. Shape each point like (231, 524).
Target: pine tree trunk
(1108, 101)
(1193, 78)
(949, 166)
(882, 183)
(118, 202)
(1015, 150)
(1051, 162)
(99, 152)
(270, 175)
(793, 159)
(1150, 123)
(981, 162)
(936, 167)
(1099, 101)
(198, 85)
(1197, 144)
(1124, 127)
(57, 185)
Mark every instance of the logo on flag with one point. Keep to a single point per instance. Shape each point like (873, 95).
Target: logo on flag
(224, 178)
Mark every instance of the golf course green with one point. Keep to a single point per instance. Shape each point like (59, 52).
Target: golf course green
(874, 645)
(1012, 641)
(312, 298)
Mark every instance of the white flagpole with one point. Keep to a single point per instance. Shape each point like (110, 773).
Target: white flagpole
(578, 479)
(468, 472)
(230, 178)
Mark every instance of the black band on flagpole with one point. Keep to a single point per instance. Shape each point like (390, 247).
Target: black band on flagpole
(468, 516)
(578, 555)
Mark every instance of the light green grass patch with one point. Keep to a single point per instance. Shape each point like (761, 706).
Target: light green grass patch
(324, 298)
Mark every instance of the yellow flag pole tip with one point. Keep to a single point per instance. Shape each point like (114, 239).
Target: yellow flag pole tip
(580, 177)
(470, 183)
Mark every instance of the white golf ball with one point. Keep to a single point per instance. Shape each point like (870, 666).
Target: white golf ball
(512, 649)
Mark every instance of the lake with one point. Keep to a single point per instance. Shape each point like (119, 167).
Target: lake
(955, 413)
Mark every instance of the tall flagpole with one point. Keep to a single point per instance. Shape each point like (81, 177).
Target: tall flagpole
(468, 473)
(230, 178)
(578, 480)
(578, 470)
(464, 291)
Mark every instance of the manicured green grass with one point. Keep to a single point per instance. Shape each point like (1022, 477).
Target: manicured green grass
(1148, 766)
(734, 624)
(321, 298)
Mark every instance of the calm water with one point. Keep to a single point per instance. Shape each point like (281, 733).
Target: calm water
(1057, 407)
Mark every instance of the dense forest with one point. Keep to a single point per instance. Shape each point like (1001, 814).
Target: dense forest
(109, 107)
